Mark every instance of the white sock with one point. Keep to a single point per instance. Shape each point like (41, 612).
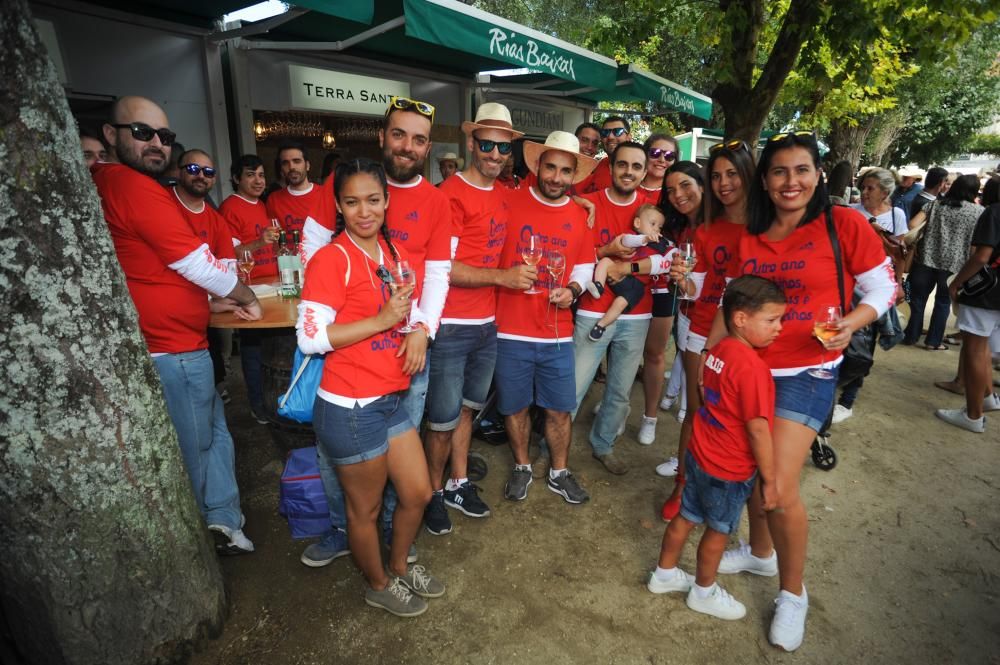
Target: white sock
(439, 492)
(702, 592)
(522, 467)
(454, 483)
(557, 473)
(647, 419)
(664, 574)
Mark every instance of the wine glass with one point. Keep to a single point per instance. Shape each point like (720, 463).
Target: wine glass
(825, 327)
(404, 275)
(532, 255)
(688, 258)
(556, 267)
(245, 263)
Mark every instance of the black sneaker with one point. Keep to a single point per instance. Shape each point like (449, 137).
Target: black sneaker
(597, 332)
(436, 519)
(466, 499)
(567, 487)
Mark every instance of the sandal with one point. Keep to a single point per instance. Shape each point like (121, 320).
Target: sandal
(953, 340)
(939, 347)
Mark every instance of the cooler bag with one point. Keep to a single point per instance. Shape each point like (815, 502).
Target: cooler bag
(303, 501)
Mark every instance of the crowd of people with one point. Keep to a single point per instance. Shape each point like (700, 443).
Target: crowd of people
(525, 286)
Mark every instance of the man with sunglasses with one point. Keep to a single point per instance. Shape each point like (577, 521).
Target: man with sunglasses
(614, 130)
(463, 356)
(168, 270)
(623, 340)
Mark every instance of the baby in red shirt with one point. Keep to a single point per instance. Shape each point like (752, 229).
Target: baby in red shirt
(730, 446)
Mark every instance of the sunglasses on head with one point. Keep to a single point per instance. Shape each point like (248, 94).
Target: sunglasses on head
(405, 103)
(195, 169)
(503, 147)
(617, 131)
(733, 145)
(143, 132)
(657, 153)
(384, 275)
(802, 133)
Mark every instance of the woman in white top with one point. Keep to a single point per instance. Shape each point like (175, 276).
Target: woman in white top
(877, 186)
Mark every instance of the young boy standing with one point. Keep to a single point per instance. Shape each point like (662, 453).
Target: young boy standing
(730, 446)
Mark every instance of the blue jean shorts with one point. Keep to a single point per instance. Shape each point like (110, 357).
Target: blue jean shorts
(805, 399)
(462, 359)
(537, 373)
(712, 501)
(351, 436)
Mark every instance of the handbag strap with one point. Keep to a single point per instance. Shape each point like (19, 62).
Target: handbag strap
(832, 233)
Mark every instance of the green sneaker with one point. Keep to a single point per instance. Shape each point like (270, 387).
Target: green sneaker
(396, 599)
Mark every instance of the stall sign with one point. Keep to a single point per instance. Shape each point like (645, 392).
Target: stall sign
(324, 90)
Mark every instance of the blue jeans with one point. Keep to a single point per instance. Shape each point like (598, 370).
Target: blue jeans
(462, 361)
(413, 403)
(252, 373)
(712, 501)
(850, 391)
(923, 280)
(199, 418)
(623, 341)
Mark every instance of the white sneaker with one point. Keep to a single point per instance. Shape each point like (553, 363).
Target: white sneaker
(667, 469)
(959, 418)
(647, 431)
(991, 403)
(667, 402)
(841, 413)
(718, 604)
(229, 541)
(740, 560)
(789, 624)
(681, 415)
(681, 581)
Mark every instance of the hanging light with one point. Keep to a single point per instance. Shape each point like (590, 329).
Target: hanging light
(259, 131)
(329, 140)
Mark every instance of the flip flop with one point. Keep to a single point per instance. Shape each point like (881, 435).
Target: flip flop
(939, 347)
(950, 386)
(952, 340)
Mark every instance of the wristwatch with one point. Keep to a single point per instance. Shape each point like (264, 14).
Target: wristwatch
(635, 267)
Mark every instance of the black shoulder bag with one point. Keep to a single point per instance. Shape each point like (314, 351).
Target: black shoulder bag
(859, 356)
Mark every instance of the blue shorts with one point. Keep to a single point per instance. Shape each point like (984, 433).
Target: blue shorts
(804, 399)
(537, 373)
(462, 359)
(712, 501)
(351, 436)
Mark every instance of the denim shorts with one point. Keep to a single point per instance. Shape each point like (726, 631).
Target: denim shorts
(351, 436)
(712, 501)
(805, 399)
(462, 359)
(537, 373)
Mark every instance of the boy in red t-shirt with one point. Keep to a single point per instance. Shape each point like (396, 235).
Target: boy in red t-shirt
(730, 446)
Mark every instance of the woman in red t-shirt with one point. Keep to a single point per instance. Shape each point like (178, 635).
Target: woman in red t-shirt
(350, 312)
(787, 241)
(661, 153)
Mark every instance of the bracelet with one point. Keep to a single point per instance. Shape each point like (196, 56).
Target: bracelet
(423, 326)
(577, 292)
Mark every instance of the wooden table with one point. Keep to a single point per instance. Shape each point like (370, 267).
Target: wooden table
(278, 313)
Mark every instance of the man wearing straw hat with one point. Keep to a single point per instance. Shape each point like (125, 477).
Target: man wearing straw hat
(449, 164)
(464, 353)
(909, 187)
(535, 363)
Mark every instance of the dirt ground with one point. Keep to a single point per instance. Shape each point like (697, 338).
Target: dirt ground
(904, 556)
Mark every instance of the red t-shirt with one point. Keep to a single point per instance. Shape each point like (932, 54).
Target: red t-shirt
(564, 229)
(211, 228)
(150, 233)
(738, 388)
(291, 207)
(717, 245)
(247, 222)
(479, 224)
(369, 367)
(419, 217)
(611, 220)
(597, 181)
(650, 196)
(802, 264)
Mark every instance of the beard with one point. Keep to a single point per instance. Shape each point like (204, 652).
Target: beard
(151, 161)
(552, 192)
(197, 188)
(400, 173)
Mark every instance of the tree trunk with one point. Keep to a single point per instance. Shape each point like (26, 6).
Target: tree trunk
(105, 556)
(847, 142)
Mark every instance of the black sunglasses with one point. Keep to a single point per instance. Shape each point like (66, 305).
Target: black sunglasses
(383, 274)
(617, 131)
(733, 145)
(143, 132)
(503, 147)
(802, 133)
(656, 153)
(404, 103)
(195, 169)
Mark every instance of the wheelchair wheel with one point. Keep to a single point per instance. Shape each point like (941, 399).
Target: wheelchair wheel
(823, 456)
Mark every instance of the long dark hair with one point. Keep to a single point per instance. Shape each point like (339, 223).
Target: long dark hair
(965, 188)
(742, 161)
(676, 222)
(991, 191)
(761, 207)
(347, 170)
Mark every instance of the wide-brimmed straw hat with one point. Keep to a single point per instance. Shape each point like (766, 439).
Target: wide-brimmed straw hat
(564, 142)
(492, 116)
(910, 172)
(452, 157)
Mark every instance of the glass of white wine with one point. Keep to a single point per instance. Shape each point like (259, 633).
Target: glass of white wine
(825, 326)
(404, 275)
(245, 263)
(689, 258)
(531, 253)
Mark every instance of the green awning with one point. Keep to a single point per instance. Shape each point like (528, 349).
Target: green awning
(197, 13)
(667, 94)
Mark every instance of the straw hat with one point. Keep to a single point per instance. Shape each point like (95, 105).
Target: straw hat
(492, 116)
(910, 172)
(452, 157)
(562, 141)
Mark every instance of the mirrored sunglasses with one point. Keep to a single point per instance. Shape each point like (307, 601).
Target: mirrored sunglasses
(503, 147)
(617, 131)
(143, 132)
(405, 103)
(733, 145)
(658, 153)
(195, 169)
(802, 133)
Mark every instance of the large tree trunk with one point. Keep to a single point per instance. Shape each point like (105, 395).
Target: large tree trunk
(105, 557)
(847, 142)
